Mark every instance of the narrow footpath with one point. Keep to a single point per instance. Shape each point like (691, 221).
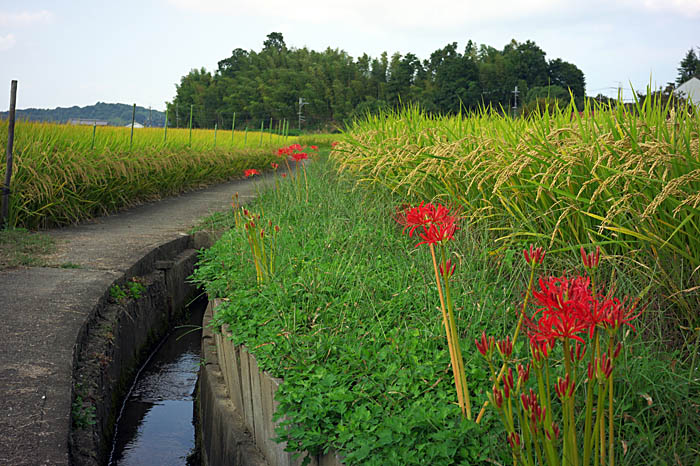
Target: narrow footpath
(43, 308)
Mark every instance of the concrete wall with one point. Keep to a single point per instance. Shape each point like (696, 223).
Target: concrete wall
(250, 401)
(115, 339)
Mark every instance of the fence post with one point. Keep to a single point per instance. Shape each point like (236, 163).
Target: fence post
(245, 138)
(133, 117)
(262, 128)
(216, 126)
(165, 135)
(270, 130)
(94, 129)
(4, 219)
(191, 107)
(233, 127)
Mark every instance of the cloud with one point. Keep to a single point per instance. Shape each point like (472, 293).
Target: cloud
(25, 18)
(401, 14)
(7, 42)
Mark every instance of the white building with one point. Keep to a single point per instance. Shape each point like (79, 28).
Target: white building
(690, 90)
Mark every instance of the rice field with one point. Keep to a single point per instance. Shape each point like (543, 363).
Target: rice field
(62, 174)
(624, 179)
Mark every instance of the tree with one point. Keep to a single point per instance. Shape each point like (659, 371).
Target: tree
(275, 41)
(567, 76)
(690, 67)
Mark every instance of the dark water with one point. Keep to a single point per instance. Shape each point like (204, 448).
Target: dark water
(156, 424)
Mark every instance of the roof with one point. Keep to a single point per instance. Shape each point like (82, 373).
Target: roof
(690, 90)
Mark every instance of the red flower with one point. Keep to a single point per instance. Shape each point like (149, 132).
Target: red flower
(450, 269)
(485, 346)
(535, 255)
(617, 314)
(435, 220)
(437, 233)
(250, 172)
(274, 166)
(591, 260)
(334, 143)
(284, 175)
(314, 147)
(299, 156)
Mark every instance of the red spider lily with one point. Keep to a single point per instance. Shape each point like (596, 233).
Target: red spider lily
(605, 366)
(617, 314)
(539, 350)
(577, 352)
(555, 431)
(314, 147)
(250, 172)
(514, 440)
(284, 175)
(424, 215)
(523, 373)
(274, 166)
(334, 143)
(591, 260)
(564, 387)
(485, 346)
(560, 326)
(505, 347)
(508, 383)
(295, 147)
(299, 156)
(617, 350)
(450, 269)
(437, 233)
(535, 255)
(497, 397)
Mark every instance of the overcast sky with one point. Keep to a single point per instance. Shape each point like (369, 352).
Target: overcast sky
(75, 52)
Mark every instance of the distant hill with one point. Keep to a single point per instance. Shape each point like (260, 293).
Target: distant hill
(115, 114)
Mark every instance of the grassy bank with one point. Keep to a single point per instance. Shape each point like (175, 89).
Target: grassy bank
(627, 180)
(349, 319)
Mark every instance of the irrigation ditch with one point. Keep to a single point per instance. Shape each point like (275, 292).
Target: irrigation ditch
(129, 321)
(123, 341)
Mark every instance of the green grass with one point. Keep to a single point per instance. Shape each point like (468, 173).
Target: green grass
(19, 247)
(350, 321)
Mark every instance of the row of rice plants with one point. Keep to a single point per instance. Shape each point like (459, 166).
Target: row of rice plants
(59, 178)
(30, 134)
(627, 180)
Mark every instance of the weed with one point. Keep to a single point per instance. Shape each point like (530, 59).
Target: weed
(82, 413)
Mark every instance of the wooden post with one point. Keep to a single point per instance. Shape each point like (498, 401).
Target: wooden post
(133, 117)
(262, 128)
(5, 218)
(94, 129)
(216, 126)
(270, 130)
(165, 135)
(233, 127)
(245, 138)
(191, 107)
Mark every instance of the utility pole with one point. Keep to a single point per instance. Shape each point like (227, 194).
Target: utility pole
(150, 115)
(302, 102)
(515, 93)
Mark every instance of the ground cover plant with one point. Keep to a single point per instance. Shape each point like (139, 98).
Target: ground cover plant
(350, 319)
(61, 177)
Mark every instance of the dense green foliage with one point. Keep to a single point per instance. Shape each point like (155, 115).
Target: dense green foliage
(336, 87)
(689, 67)
(350, 322)
(114, 114)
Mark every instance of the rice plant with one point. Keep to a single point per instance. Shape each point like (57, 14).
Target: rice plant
(626, 179)
(61, 175)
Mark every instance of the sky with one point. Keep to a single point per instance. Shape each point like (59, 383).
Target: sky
(75, 52)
